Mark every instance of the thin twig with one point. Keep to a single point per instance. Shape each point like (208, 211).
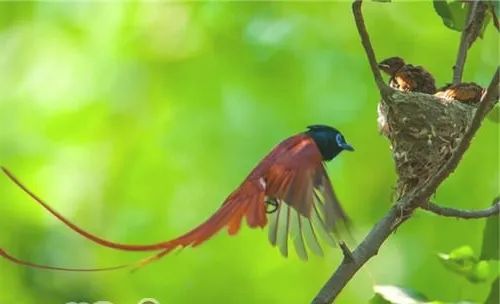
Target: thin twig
(366, 250)
(347, 252)
(384, 89)
(458, 68)
(494, 15)
(463, 214)
(477, 22)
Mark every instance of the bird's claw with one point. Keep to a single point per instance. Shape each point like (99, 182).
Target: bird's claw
(273, 203)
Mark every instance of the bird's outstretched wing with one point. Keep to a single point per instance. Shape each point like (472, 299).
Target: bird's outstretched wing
(307, 205)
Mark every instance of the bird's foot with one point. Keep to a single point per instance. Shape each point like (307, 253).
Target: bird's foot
(271, 205)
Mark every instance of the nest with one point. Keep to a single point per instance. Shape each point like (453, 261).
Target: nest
(424, 131)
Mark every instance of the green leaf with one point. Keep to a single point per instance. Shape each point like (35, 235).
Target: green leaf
(458, 302)
(494, 296)
(460, 260)
(463, 252)
(397, 295)
(463, 262)
(442, 9)
(381, 0)
(453, 14)
(491, 235)
(458, 11)
(378, 299)
(480, 273)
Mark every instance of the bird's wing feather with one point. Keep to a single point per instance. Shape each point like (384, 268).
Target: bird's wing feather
(307, 203)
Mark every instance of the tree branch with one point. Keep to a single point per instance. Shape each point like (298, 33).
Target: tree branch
(384, 89)
(458, 68)
(346, 252)
(367, 249)
(404, 207)
(494, 210)
(494, 15)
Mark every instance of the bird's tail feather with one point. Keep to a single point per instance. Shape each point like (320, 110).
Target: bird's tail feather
(84, 233)
(237, 206)
(18, 261)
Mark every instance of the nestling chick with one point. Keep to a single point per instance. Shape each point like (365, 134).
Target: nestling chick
(407, 77)
(467, 92)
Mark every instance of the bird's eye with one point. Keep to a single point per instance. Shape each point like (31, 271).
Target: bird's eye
(339, 139)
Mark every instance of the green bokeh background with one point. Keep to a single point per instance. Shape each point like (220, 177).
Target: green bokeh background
(137, 119)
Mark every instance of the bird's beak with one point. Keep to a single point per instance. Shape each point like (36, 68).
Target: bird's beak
(383, 66)
(347, 147)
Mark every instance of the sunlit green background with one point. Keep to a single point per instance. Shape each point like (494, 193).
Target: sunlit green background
(137, 119)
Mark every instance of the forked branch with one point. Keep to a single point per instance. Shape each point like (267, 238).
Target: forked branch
(383, 88)
(404, 207)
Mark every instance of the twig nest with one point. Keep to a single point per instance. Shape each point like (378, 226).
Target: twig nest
(424, 131)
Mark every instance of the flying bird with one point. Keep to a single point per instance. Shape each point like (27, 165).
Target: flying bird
(289, 189)
(466, 92)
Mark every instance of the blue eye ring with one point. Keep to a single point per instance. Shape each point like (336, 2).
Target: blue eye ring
(340, 140)
(342, 144)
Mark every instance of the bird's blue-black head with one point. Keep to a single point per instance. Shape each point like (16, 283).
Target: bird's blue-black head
(329, 141)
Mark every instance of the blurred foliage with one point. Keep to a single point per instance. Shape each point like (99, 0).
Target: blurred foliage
(463, 262)
(137, 119)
